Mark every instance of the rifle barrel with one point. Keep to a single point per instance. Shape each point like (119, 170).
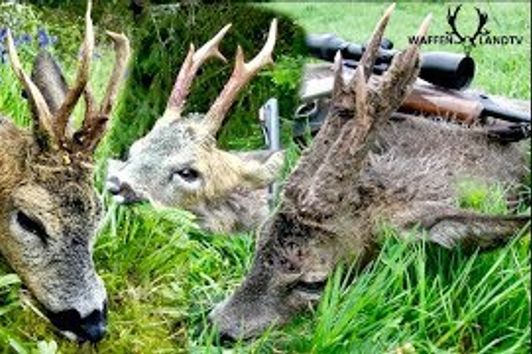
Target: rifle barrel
(491, 109)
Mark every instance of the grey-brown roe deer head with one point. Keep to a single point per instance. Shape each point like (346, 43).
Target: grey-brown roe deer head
(177, 164)
(49, 208)
(360, 170)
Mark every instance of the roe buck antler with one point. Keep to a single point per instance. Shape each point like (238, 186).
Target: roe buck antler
(192, 63)
(361, 170)
(82, 77)
(178, 164)
(96, 118)
(241, 75)
(49, 209)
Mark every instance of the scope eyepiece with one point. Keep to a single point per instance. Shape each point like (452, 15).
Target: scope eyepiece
(449, 70)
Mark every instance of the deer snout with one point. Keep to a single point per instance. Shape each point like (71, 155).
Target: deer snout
(236, 320)
(117, 183)
(113, 185)
(122, 191)
(228, 328)
(91, 328)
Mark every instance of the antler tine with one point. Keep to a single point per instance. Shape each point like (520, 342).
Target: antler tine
(96, 118)
(338, 74)
(82, 77)
(43, 111)
(242, 74)
(372, 49)
(188, 70)
(398, 79)
(122, 53)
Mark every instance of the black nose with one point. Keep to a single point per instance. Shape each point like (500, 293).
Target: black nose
(226, 340)
(123, 189)
(113, 185)
(91, 328)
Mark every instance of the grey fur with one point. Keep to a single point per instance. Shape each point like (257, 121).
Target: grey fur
(229, 195)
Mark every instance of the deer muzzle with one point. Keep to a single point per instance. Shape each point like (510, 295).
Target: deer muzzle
(91, 328)
(118, 186)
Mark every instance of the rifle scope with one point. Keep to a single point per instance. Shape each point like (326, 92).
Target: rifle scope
(444, 69)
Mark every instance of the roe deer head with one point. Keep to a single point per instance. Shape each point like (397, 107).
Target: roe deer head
(49, 208)
(361, 169)
(177, 164)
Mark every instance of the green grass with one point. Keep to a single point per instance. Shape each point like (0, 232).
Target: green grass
(163, 275)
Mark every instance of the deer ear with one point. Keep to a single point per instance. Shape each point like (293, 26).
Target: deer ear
(472, 230)
(451, 227)
(257, 174)
(49, 78)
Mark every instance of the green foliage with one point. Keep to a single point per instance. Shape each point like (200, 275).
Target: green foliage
(31, 32)
(163, 275)
(483, 197)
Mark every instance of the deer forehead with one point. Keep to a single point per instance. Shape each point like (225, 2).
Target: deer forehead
(170, 141)
(34, 196)
(67, 191)
(58, 191)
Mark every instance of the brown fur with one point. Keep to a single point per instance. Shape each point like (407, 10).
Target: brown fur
(57, 191)
(49, 209)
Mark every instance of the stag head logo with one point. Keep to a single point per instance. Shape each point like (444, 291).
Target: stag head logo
(469, 41)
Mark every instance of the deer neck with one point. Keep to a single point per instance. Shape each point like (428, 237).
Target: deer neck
(242, 210)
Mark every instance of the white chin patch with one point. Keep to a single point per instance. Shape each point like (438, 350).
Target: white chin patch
(70, 336)
(119, 199)
(111, 186)
(310, 296)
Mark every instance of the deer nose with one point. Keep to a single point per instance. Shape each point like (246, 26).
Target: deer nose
(113, 185)
(122, 191)
(228, 333)
(226, 340)
(91, 328)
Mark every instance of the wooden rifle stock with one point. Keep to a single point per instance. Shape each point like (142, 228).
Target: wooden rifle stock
(428, 100)
(442, 103)
(510, 119)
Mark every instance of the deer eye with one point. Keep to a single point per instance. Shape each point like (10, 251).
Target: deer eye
(32, 226)
(310, 287)
(188, 174)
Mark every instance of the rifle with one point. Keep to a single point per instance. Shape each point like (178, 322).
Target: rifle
(429, 100)
(270, 124)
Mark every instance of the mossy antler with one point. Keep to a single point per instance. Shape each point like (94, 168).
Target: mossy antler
(54, 124)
